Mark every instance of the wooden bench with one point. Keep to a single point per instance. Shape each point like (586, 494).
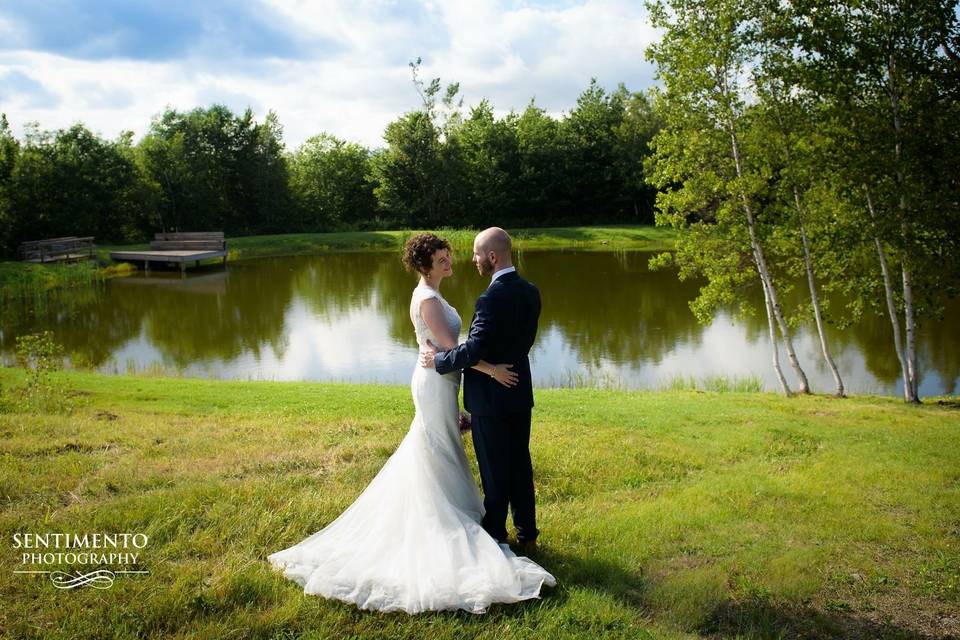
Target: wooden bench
(189, 240)
(179, 247)
(57, 249)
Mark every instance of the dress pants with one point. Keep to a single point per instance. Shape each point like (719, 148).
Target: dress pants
(502, 445)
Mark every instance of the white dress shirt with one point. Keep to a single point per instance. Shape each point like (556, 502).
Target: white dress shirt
(501, 272)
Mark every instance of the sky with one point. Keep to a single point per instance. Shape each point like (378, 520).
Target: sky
(322, 66)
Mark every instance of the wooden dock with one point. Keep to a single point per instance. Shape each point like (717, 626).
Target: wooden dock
(179, 248)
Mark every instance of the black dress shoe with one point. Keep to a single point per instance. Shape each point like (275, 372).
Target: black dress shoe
(527, 547)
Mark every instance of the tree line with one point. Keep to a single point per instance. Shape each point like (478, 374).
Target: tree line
(812, 142)
(212, 169)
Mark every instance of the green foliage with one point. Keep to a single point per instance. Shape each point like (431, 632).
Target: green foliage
(819, 103)
(218, 171)
(699, 190)
(886, 76)
(412, 179)
(70, 182)
(330, 183)
(520, 169)
(591, 161)
(541, 151)
(9, 153)
(211, 169)
(42, 391)
(25, 280)
(489, 163)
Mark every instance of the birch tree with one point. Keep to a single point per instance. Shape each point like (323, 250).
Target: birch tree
(701, 162)
(889, 70)
(793, 145)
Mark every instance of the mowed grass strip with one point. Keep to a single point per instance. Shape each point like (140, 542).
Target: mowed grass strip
(669, 514)
(599, 238)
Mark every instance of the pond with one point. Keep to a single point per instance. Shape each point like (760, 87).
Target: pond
(607, 320)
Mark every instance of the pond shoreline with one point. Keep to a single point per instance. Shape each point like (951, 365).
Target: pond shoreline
(292, 317)
(88, 383)
(19, 280)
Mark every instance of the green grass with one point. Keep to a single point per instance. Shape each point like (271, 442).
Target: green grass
(718, 384)
(24, 280)
(602, 238)
(669, 514)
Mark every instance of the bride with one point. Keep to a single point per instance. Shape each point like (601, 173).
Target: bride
(412, 540)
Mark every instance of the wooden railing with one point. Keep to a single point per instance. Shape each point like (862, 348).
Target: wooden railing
(57, 249)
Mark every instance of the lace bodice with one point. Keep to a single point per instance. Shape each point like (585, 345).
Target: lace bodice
(421, 293)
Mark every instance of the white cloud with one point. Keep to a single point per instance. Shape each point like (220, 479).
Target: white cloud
(358, 79)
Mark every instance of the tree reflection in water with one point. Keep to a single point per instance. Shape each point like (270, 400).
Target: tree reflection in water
(345, 316)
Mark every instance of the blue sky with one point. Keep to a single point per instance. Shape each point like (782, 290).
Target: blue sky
(323, 66)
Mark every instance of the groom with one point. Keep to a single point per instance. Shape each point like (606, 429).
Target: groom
(503, 328)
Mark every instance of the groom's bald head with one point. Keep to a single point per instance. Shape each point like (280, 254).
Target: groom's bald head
(491, 250)
(495, 239)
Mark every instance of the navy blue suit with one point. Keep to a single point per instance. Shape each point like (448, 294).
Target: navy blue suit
(502, 331)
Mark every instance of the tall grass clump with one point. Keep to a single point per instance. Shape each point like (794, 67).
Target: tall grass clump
(715, 384)
(25, 280)
(43, 391)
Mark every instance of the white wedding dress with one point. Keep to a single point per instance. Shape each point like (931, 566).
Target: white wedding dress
(412, 541)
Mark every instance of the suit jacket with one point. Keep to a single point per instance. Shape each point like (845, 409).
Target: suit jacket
(502, 331)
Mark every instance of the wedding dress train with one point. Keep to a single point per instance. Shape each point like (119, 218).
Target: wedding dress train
(412, 540)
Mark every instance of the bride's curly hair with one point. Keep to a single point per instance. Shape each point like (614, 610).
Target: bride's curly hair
(419, 249)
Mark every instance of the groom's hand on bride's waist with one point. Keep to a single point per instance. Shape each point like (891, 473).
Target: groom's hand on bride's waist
(427, 354)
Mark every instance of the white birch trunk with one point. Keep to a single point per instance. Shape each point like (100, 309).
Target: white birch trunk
(908, 311)
(808, 264)
(891, 305)
(811, 282)
(773, 334)
(765, 273)
(910, 323)
(817, 314)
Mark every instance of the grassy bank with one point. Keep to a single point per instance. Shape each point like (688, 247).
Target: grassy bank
(670, 514)
(24, 280)
(21, 279)
(605, 238)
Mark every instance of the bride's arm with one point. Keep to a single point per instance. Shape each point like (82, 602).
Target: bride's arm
(432, 312)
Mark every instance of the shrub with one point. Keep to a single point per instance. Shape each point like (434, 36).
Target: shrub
(43, 391)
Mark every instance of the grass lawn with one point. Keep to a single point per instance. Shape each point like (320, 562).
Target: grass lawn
(603, 238)
(671, 514)
(19, 279)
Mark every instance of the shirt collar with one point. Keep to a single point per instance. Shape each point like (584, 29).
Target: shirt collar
(501, 272)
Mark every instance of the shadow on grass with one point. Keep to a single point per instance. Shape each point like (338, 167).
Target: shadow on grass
(762, 620)
(755, 618)
(569, 571)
